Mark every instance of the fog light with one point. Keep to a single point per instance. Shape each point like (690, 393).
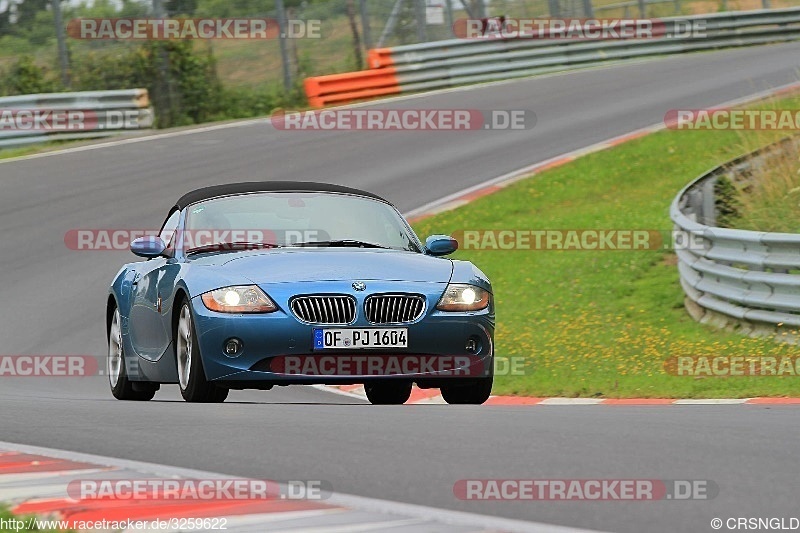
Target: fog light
(233, 347)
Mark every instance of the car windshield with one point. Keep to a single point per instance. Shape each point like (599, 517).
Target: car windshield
(297, 219)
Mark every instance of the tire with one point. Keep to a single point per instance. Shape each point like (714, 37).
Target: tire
(475, 393)
(121, 387)
(191, 375)
(388, 392)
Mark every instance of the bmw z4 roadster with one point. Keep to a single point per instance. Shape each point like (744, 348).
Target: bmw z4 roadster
(253, 285)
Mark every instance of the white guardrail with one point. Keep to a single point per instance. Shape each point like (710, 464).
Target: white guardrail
(456, 61)
(453, 62)
(748, 276)
(36, 118)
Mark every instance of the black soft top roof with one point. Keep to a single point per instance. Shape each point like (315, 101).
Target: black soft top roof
(230, 189)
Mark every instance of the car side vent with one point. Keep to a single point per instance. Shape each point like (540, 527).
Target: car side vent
(394, 308)
(324, 309)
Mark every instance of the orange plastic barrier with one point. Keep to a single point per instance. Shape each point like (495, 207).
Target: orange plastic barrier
(380, 57)
(351, 86)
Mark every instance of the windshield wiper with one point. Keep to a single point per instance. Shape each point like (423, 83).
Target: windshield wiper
(342, 243)
(237, 246)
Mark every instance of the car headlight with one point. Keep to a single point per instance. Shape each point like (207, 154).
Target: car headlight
(242, 299)
(463, 297)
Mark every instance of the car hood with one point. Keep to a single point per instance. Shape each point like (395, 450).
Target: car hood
(332, 264)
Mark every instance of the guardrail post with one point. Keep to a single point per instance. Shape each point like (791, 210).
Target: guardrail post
(63, 60)
(422, 34)
(448, 10)
(390, 24)
(588, 9)
(365, 33)
(709, 202)
(164, 101)
(642, 9)
(287, 73)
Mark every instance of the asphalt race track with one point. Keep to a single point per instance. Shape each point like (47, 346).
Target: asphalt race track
(53, 303)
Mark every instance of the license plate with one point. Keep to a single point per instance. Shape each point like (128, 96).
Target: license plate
(352, 338)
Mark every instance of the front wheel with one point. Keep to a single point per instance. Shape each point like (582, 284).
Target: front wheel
(121, 387)
(388, 392)
(191, 375)
(475, 393)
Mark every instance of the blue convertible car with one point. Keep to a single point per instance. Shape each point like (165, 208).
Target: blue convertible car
(252, 285)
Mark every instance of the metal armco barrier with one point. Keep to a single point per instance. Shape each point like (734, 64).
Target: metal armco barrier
(453, 62)
(750, 277)
(95, 114)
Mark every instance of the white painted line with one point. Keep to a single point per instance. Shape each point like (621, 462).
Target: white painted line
(346, 528)
(360, 503)
(712, 401)
(133, 140)
(8, 479)
(15, 494)
(357, 393)
(571, 401)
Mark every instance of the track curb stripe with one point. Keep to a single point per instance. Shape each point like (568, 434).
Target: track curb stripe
(352, 513)
(432, 396)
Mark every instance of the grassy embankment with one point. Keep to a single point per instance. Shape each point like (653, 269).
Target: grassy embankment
(602, 323)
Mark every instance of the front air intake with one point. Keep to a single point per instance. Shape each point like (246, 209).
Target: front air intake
(325, 309)
(394, 308)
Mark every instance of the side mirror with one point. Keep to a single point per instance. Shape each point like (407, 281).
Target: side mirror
(148, 246)
(440, 245)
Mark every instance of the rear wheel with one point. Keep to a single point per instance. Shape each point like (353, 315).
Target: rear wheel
(388, 392)
(121, 387)
(191, 375)
(475, 393)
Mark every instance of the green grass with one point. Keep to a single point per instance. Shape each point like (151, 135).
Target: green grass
(8, 153)
(769, 199)
(602, 323)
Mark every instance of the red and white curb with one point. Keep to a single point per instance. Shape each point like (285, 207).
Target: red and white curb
(432, 396)
(34, 481)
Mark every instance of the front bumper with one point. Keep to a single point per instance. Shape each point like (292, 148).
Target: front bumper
(278, 348)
